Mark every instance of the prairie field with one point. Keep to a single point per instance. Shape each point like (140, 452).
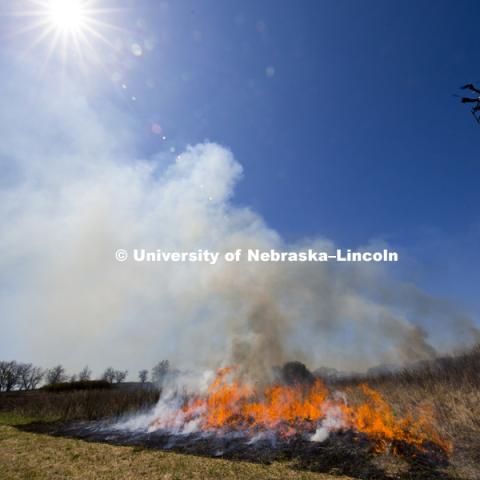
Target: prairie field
(26, 456)
(449, 387)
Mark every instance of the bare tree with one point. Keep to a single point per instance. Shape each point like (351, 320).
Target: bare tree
(29, 376)
(159, 371)
(120, 375)
(73, 378)
(35, 377)
(56, 375)
(9, 375)
(85, 374)
(109, 375)
(143, 375)
(24, 372)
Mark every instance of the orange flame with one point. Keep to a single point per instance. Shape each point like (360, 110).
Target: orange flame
(230, 405)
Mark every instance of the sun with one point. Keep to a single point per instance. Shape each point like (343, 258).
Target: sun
(73, 30)
(67, 15)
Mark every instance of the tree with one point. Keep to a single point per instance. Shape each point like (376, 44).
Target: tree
(29, 376)
(160, 371)
(120, 375)
(24, 372)
(109, 375)
(85, 374)
(56, 375)
(35, 377)
(9, 375)
(143, 375)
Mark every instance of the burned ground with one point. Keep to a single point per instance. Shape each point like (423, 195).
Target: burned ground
(343, 453)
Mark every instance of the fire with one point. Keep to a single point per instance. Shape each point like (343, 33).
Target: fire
(233, 406)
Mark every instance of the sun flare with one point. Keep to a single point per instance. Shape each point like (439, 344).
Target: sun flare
(74, 29)
(67, 15)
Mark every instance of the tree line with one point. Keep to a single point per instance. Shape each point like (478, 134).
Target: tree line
(26, 376)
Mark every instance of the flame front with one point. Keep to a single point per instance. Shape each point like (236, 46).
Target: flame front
(233, 406)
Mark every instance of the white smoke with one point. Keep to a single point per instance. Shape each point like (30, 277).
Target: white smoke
(73, 191)
(333, 420)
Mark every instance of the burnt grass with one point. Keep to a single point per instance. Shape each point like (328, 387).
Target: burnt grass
(343, 453)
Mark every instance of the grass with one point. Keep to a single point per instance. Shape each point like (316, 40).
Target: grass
(450, 387)
(29, 456)
(89, 404)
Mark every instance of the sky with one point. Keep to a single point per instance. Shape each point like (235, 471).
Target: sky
(339, 114)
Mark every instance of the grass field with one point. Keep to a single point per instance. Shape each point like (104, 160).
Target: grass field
(30, 456)
(450, 386)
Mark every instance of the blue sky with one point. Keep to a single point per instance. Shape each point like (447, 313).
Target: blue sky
(340, 112)
(356, 134)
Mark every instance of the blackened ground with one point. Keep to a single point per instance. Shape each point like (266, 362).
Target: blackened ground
(343, 453)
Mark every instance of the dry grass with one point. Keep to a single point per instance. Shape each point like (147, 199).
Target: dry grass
(450, 388)
(78, 405)
(29, 456)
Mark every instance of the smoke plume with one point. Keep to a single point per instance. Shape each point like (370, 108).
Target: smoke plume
(74, 190)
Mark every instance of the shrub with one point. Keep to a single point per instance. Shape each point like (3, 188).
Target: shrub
(78, 385)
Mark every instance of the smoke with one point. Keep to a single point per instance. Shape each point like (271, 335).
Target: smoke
(334, 420)
(73, 191)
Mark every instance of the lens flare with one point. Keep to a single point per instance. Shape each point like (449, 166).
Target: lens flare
(67, 15)
(76, 30)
